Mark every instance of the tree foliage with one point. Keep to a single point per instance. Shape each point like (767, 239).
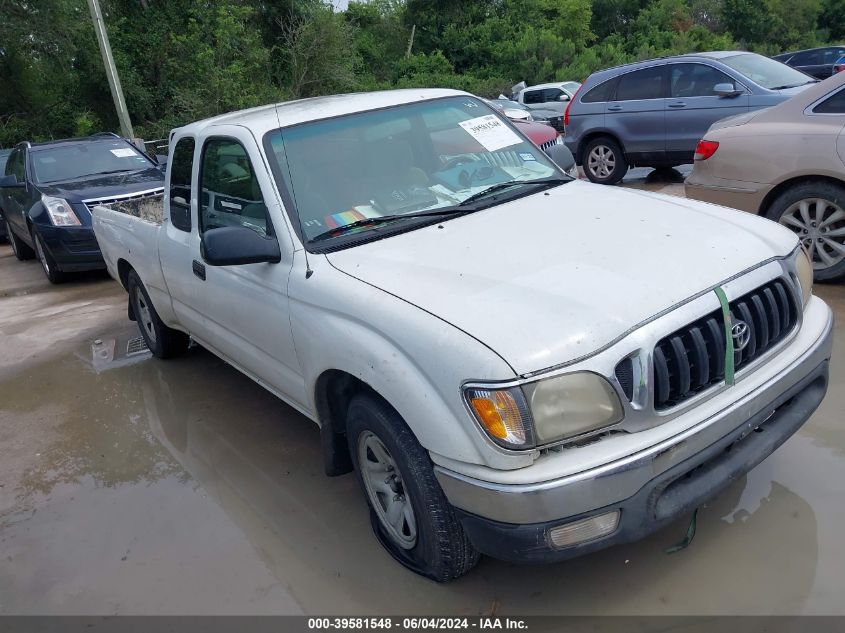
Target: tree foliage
(181, 60)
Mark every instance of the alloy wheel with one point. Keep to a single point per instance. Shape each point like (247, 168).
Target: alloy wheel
(820, 225)
(39, 252)
(601, 161)
(387, 494)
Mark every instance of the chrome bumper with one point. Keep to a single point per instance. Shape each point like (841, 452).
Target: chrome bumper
(619, 480)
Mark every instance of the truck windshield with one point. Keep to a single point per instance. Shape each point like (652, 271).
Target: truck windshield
(85, 158)
(403, 160)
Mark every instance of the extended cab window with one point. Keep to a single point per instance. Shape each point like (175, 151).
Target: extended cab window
(642, 84)
(695, 80)
(533, 96)
(230, 193)
(182, 163)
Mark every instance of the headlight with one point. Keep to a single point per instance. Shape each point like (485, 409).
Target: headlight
(59, 211)
(804, 269)
(545, 411)
(571, 404)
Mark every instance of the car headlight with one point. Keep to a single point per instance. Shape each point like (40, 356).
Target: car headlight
(545, 411)
(59, 211)
(804, 270)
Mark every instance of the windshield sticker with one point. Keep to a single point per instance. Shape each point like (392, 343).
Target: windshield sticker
(123, 152)
(526, 156)
(490, 132)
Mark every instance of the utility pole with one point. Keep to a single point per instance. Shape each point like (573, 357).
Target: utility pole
(111, 71)
(411, 40)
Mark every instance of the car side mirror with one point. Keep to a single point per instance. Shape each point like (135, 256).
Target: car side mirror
(238, 245)
(8, 182)
(564, 97)
(726, 90)
(561, 156)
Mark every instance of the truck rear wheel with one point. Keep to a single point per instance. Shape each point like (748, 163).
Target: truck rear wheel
(163, 341)
(410, 514)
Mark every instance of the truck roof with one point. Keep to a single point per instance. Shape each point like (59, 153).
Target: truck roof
(286, 113)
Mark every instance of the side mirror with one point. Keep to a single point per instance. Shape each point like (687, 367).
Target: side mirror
(561, 156)
(238, 245)
(726, 90)
(8, 182)
(564, 97)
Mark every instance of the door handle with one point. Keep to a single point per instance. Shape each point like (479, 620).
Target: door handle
(614, 108)
(199, 269)
(679, 104)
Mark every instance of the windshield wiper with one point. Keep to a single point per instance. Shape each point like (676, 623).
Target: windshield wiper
(511, 183)
(339, 230)
(112, 171)
(812, 81)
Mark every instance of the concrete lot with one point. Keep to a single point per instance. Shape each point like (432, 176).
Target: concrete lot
(131, 485)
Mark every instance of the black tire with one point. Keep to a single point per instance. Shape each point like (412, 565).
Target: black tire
(20, 248)
(442, 550)
(164, 342)
(834, 197)
(613, 152)
(48, 263)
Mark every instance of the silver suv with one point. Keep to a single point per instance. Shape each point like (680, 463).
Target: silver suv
(653, 113)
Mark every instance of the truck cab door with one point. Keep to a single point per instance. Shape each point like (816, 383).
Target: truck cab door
(244, 308)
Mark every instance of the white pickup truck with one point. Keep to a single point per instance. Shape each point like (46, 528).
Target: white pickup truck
(514, 362)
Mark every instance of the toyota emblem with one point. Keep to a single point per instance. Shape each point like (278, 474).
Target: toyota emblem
(741, 334)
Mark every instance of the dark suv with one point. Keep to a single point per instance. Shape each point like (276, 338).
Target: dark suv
(818, 62)
(48, 189)
(653, 113)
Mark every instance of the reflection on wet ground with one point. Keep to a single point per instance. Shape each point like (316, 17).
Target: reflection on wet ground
(132, 485)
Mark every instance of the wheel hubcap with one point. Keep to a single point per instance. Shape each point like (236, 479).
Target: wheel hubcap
(142, 313)
(385, 490)
(601, 161)
(11, 239)
(820, 225)
(39, 251)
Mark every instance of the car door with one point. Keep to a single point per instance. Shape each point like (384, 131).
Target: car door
(532, 99)
(693, 106)
(636, 114)
(555, 99)
(16, 199)
(245, 307)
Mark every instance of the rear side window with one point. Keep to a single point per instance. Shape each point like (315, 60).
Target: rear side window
(807, 58)
(832, 105)
(533, 96)
(181, 166)
(642, 84)
(231, 195)
(695, 80)
(600, 93)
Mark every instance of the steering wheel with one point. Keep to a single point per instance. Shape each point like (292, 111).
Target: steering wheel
(458, 160)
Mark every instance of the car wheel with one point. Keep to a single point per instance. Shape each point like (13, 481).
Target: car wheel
(164, 342)
(20, 248)
(409, 512)
(604, 161)
(48, 264)
(815, 211)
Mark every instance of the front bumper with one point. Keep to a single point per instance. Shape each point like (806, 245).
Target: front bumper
(652, 487)
(74, 249)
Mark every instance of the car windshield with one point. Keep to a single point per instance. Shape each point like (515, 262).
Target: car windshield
(766, 72)
(86, 158)
(401, 161)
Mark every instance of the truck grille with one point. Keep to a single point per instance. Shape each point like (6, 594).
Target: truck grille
(692, 359)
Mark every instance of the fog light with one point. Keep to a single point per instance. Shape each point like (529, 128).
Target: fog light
(583, 530)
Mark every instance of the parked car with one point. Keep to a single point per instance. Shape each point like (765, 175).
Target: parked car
(498, 383)
(48, 189)
(817, 62)
(839, 66)
(4, 154)
(552, 96)
(786, 163)
(653, 113)
(540, 115)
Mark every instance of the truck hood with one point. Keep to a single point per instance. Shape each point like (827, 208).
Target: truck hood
(557, 275)
(104, 186)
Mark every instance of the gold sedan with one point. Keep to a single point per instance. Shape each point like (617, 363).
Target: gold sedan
(786, 163)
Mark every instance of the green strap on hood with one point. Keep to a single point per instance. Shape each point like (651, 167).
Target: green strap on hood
(729, 340)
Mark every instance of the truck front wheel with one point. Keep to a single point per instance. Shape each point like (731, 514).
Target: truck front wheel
(409, 512)
(163, 341)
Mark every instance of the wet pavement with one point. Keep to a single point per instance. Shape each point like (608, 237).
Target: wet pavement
(132, 485)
